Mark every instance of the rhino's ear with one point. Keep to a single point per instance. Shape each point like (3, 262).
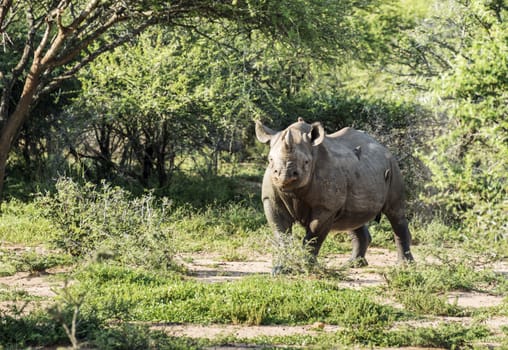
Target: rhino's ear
(316, 134)
(264, 133)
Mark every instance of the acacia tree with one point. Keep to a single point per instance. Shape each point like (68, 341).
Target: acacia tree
(469, 161)
(55, 35)
(457, 58)
(46, 42)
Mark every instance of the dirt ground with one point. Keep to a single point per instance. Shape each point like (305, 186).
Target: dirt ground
(211, 269)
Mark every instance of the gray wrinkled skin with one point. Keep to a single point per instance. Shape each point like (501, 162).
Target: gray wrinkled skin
(337, 182)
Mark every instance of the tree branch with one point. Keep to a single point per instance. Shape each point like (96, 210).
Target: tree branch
(4, 10)
(55, 82)
(20, 66)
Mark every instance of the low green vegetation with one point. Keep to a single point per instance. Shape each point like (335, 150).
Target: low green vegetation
(450, 336)
(31, 261)
(127, 276)
(259, 300)
(24, 223)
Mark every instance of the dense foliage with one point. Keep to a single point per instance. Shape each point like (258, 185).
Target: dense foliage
(429, 82)
(469, 158)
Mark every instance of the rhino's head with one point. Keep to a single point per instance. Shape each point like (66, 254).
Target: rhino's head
(291, 157)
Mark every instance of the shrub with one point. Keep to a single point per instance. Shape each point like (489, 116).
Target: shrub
(469, 161)
(105, 222)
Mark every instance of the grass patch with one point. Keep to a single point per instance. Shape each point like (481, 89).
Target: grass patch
(423, 289)
(444, 335)
(35, 329)
(221, 229)
(441, 278)
(135, 336)
(122, 293)
(24, 223)
(12, 261)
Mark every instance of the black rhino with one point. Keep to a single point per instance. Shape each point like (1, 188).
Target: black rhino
(338, 181)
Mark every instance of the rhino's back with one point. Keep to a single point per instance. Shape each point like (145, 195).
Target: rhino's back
(356, 167)
(351, 138)
(358, 146)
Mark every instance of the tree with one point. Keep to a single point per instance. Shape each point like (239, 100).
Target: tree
(58, 36)
(469, 161)
(48, 41)
(139, 107)
(457, 59)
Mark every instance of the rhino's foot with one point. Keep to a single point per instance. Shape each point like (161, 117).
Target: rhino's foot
(357, 262)
(406, 258)
(281, 270)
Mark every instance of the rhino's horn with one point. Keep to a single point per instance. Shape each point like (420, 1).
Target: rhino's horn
(288, 140)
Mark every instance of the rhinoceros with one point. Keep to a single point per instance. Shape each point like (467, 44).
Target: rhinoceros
(325, 182)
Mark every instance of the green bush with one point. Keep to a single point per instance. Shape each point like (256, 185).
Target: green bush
(469, 160)
(453, 335)
(32, 261)
(105, 222)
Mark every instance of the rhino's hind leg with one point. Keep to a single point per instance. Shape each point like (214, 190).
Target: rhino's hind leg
(360, 240)
(402, 238)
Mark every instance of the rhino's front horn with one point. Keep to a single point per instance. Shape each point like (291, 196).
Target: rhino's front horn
(288, 140)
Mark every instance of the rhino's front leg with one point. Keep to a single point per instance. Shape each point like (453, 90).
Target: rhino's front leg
(280, 222)
(317, 230)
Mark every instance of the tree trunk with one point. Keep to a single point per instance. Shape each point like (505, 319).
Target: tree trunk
(147, 164)
(14, 122)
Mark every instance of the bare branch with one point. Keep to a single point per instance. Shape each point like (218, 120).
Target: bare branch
(92, 5)
(4, 10)
(20, 66)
